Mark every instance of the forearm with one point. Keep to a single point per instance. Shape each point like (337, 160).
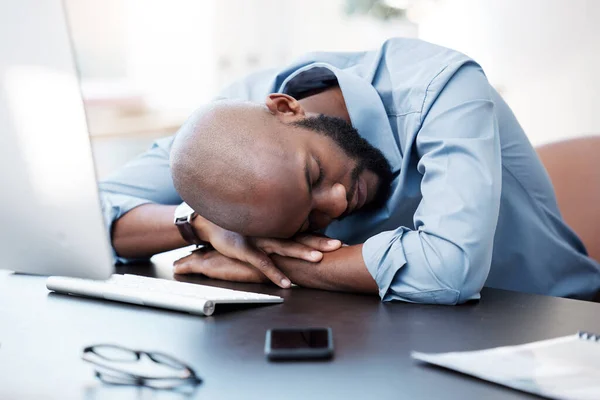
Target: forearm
(340, 270)
(146, 230)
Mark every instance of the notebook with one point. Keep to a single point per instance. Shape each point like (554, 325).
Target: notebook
(562, 368)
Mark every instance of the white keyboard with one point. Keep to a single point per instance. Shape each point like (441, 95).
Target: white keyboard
(162, 293)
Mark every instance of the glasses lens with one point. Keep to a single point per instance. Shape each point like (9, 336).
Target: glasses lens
(167, 360)
(117, 379)
(115, 353)
(166, 383)
(170, 383)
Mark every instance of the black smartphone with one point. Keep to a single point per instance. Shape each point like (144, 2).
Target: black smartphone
(299, 343)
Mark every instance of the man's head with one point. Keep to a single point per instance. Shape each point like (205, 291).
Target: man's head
(274, 169)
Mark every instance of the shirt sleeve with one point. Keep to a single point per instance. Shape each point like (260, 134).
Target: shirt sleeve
(146, 179)
(446, 258)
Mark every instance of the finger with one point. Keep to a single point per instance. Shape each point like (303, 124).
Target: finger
(318, 242)
(289, 248)
(218, 266)
(191, 264)
(260, 260)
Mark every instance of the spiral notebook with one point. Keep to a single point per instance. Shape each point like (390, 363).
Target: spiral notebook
(562, 368)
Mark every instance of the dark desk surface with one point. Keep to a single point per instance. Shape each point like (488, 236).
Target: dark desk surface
(42, 335)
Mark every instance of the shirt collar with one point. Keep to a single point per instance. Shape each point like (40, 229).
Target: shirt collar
(366, 110)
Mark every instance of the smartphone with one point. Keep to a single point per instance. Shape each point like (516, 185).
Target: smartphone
(299, 344)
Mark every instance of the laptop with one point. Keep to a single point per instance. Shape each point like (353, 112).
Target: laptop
(51, 220)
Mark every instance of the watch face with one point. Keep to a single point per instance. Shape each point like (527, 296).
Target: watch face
(183, 210)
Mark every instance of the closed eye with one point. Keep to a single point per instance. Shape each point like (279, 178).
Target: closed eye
(321, 173)
(310, 183)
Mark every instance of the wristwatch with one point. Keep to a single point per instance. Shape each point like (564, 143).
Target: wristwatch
(184, 214)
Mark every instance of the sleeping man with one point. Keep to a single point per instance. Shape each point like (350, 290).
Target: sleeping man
(406, 154)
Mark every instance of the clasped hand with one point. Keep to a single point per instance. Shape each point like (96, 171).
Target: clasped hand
(247, 259)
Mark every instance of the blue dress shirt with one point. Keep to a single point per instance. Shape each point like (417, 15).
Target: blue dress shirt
(471, 204)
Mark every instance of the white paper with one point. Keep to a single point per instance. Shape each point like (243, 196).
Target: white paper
(562, 368)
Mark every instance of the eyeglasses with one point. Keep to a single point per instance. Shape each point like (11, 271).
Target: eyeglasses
(114, 361)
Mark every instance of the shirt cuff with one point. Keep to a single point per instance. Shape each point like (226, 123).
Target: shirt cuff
(375, 250)
(114, 206)
(394, 261)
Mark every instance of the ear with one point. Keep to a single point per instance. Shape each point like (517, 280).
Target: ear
(284, 107)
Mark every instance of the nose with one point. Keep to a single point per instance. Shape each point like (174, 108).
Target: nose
(328, 205)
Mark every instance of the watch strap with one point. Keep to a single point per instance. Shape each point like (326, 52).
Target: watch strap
(187, 230)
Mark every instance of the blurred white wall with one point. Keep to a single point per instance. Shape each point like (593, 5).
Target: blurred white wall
(169, 51)
(543, 55)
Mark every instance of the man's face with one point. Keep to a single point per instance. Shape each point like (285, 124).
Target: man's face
(333, 172)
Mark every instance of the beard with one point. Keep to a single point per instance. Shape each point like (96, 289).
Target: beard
(356, 147)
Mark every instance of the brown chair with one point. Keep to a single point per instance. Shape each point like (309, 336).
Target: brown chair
(574, 168)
